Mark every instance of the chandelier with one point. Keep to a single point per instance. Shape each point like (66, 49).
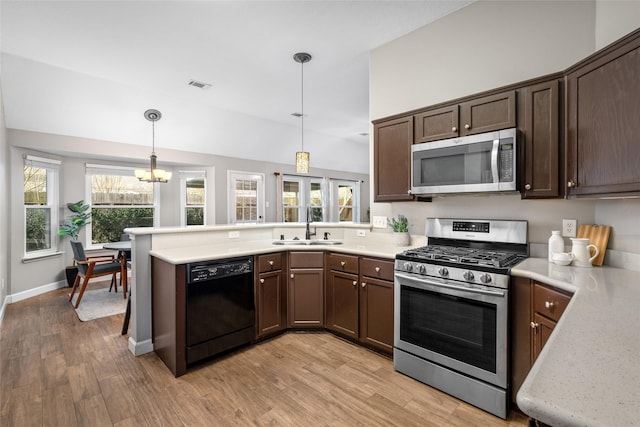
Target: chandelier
(153, 174)
(302, 157)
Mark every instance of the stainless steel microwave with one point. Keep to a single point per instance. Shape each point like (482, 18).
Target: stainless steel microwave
(480, 163)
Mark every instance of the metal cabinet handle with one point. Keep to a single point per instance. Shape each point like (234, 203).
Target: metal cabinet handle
(364, 284)
(527, 186)
(261, 280)
(534, 326)
(467, 126)
(453, 129)
(571, 184)
(377, 269)
(271, 263)
(292, 275)
(548, 304)
(355, 282)
(343, 263)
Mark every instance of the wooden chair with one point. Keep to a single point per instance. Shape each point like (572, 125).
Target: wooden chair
(96, 266)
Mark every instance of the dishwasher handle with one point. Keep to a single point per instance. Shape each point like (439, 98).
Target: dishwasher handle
(204, 271)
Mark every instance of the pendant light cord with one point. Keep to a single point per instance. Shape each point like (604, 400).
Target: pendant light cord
(302, 106)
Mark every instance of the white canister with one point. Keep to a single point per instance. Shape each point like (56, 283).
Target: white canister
(556, 244)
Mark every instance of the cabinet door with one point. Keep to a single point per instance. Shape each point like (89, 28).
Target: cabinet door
(392, 142)
(376, 313)
(521, 332)
(432, 125)
(603, 148)
(306, 298)
(341, 303)
(541, 137)
(489, 113)
(271, 305)
(542, 328)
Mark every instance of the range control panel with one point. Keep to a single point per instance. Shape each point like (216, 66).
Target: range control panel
(476, 227)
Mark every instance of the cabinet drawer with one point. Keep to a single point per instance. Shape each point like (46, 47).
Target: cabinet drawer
(380, 269)
(270, 262)
(548, 302)
(305, 260)
(341, 262)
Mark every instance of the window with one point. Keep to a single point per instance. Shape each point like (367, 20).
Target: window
(192, 197)
(328, 200)
(298, 193)
(40, 205)
(246, 197)
(118, 201)
(346, 196)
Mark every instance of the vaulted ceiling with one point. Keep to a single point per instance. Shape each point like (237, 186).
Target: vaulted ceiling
(91, 68)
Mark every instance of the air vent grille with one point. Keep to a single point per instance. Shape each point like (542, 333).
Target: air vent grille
(199, 85)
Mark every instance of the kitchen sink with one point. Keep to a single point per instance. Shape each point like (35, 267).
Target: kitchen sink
(307, 242)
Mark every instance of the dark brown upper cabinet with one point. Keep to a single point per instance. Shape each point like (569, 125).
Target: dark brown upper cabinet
(392, 142)
(432, 125)
(483, 114)
(489, 113)
(603, 122)
(539, 110)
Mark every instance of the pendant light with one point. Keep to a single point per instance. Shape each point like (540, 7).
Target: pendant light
(302, 157)
(153, 174)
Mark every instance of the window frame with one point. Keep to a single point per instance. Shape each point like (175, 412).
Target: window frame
(232, 177)
(334, 185)
(185, 175)
(52, 169)
(116, 170)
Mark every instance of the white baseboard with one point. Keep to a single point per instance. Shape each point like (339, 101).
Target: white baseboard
(5, 303)
(139, 348)
(36, 291)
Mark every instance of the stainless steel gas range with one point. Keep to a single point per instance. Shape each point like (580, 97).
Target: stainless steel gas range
(451, 308)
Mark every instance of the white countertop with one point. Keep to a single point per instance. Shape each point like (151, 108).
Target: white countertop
(213, 251)
(588, 373)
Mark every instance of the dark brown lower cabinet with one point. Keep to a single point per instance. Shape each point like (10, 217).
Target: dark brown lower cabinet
(271, 295)
(359, 300)
(305, 305)
(376, 313)
(535, 311)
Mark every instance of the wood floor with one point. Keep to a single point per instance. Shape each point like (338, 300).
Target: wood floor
(58, 371)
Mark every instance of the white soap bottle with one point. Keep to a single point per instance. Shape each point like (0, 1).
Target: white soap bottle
(556, 244)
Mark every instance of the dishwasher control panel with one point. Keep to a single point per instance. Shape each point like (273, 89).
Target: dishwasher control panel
(211, 270)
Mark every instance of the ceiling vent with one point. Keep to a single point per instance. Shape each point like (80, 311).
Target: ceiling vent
(199, 85)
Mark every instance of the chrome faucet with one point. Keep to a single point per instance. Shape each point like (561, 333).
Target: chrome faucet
(308, 233)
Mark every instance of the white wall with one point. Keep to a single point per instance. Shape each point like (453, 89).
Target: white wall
(4, 207)
(489, 44)
(75, 152)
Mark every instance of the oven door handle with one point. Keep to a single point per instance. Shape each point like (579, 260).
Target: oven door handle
(458, 288)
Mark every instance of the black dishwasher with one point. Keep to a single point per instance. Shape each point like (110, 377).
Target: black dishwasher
(220, 308)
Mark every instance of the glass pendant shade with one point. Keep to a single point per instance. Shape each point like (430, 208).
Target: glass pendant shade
(302, 162)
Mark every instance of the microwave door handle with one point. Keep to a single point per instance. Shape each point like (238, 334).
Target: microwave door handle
(494, 160)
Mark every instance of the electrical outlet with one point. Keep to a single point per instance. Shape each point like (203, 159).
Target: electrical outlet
(379, 222)
(361, 233)
(569, 227)
(234, 234)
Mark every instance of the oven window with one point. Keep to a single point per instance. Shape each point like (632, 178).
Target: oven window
(462, 329)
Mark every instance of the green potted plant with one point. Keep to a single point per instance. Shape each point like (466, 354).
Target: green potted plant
(71, 226)
(400, 229)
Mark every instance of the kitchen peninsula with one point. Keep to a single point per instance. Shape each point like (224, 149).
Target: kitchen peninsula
(585, 375)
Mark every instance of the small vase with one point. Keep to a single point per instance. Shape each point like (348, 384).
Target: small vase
(401, 238)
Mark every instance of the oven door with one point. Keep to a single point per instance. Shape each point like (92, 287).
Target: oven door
(460, 326)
